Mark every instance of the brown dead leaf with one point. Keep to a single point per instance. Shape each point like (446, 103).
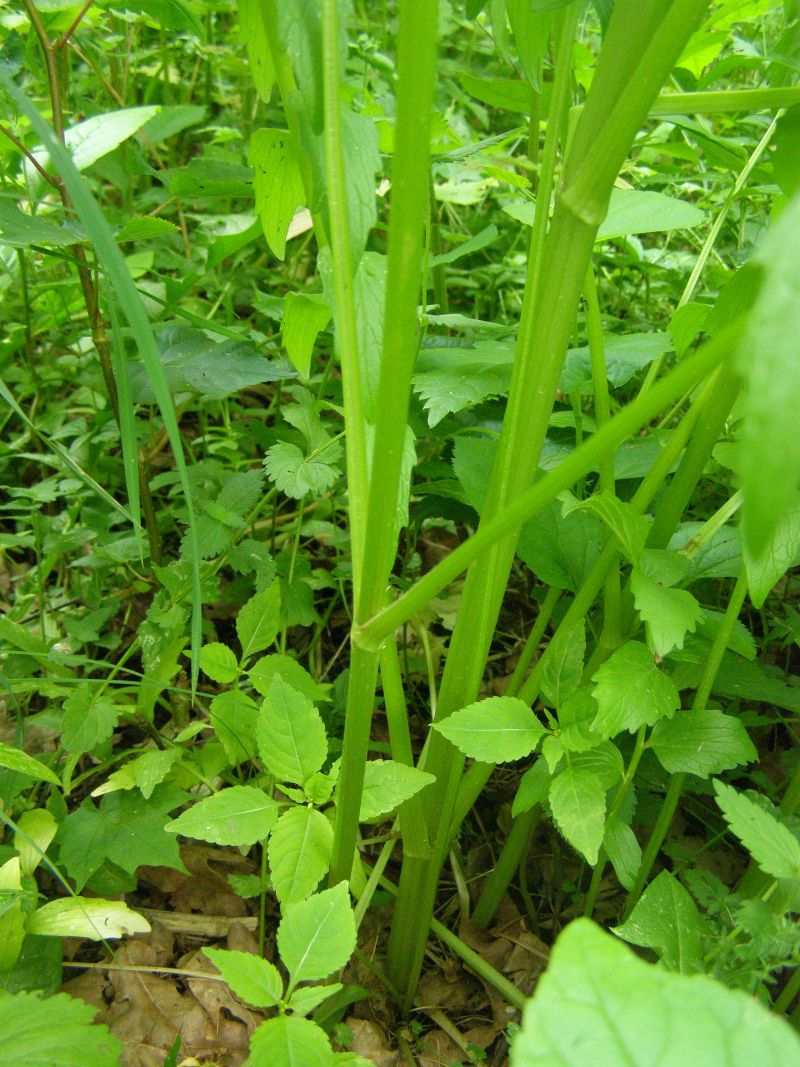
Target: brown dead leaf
(370, 1042)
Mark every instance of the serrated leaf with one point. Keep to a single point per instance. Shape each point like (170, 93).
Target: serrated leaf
(125, 829)
(623, 850)
(388, 784)
(258, 621)
(239, 815)
(289, 1042)
(317, 936)
(628, 526)
(669, 613)
(666, 919)
(578, 803)
(604, 761)
(299, 853)
(53, 1032)
(145, 228)
(250, 977)
(233, 716)
(563, 665)
(598, 1003)
(305, 999)
(14, 759)
(95, 137)
(774, 848)
(298, 475)
(219, 662)
(89, 720)
(264, 671)
(767, 359)
(81, 917)
(575, 718)
(291, 735)
(701, 743)
(494, 730)
(631, 691)
(278, 183)
(242, 491)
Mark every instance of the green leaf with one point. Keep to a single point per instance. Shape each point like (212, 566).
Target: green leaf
(258, 621)
(242, 491)
(449, 380)
(669, 613)
(89, 720)
(561, 549)
(781, 551)
(369, 292)
(388, 784)
(298, 475)
(575, 718)
(533, 788)
(239, 815)
(604, 761)
(219, 662)
(578, 803)
(494, 730)
(278, 184)
(304, 315)
(625, 354)
(171, 14)
(35, 830)
(289, 1042)
(770, 444)
(56, 1032)
(264, 671)
(701, 743)
(250, 977)
(317, 936)
(305, 999)
(254, 35)
(83, 917)
(774, 848)
(233, 716)
(21, 230)
(299, 853)
(144, 228)
(125, 829)
(631, 691)
(628, 526)
(14, 759)
(598, 1003)
(195, 363)
(94, 138)
(623, 850)
(666, 919)
(563, 665)
(531, 35)
(291, 735)
(632, 211)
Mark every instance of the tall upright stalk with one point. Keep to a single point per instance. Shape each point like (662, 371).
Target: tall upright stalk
(625, 84)
(416, 68)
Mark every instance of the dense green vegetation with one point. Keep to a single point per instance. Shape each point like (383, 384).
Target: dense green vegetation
(400, 498)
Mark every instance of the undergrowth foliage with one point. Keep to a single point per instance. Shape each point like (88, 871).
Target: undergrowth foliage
(394, 394)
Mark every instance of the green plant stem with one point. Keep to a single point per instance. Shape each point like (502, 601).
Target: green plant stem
(788, 993)
(715, 103)
(611, 633)
(346, 333)
(512, 854)
(677, 781)
(547, 320)
(416, 66)
(534, 639)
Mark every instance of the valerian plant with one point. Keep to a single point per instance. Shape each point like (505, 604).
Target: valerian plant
(471, 330)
